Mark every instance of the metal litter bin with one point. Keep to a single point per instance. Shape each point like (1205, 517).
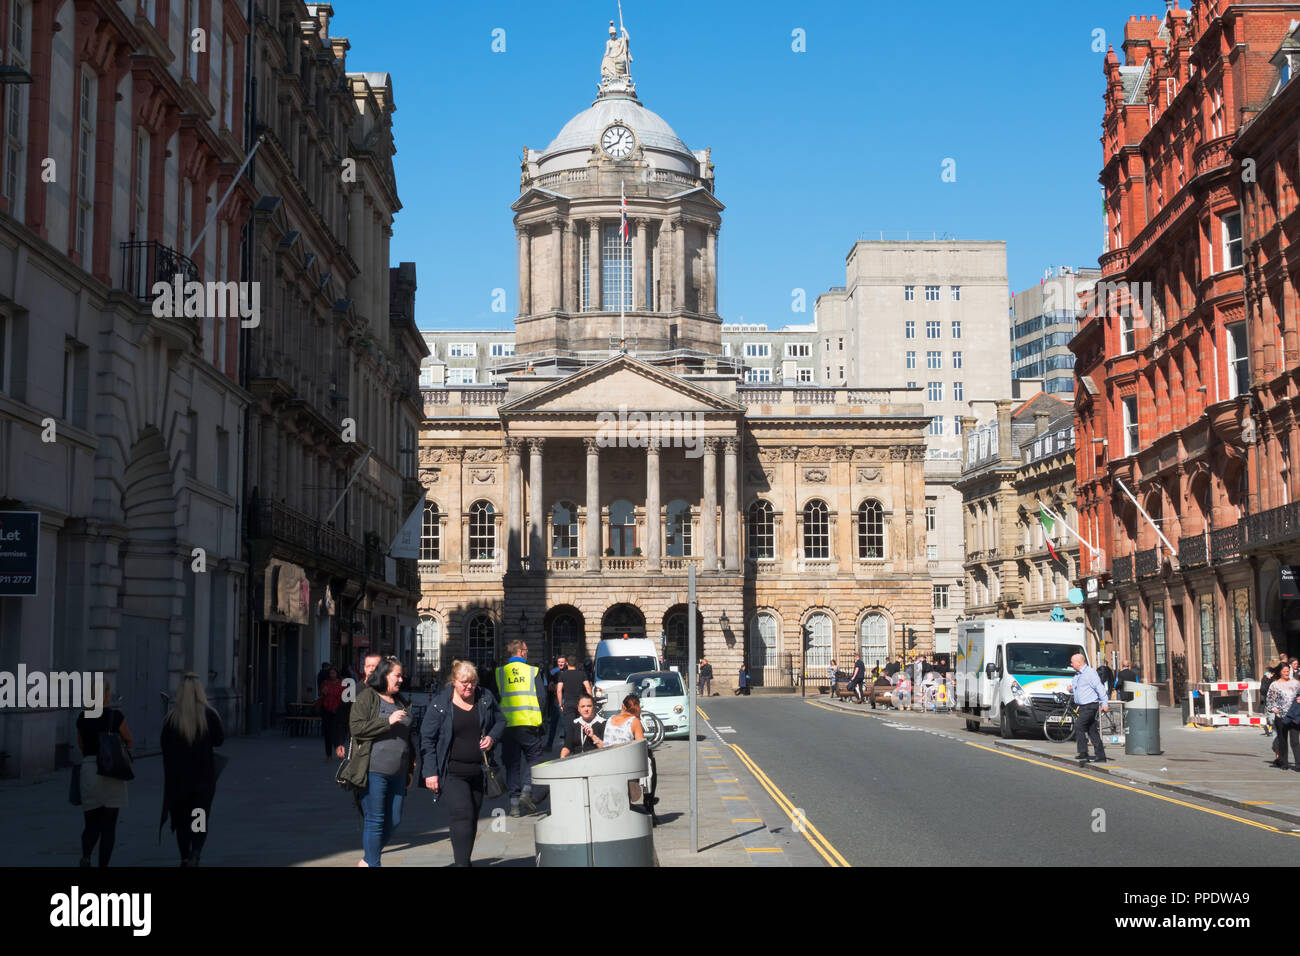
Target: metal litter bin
(593, 821)
(1142, 719)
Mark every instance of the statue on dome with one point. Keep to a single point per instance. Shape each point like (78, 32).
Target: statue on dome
(618, 56)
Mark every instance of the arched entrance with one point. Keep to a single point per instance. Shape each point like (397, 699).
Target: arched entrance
(676, 637)
(622, 620)
(566, 635)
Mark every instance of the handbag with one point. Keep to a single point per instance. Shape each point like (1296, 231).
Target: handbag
(493, 785)
(1292, 716)
(339, 774)
(112, 759)
(74, 786)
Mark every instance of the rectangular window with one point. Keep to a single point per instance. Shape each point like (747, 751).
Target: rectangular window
(15, 121)
(726, 349)
(931, 513)
(956, 360)
(909, 331)
(1245, 647)
(932, 293)
(1209, 640)
(227, 84)
(1232, 240)
(933, 329)
(909, 293)
(911, 385)
(86, 162)
(1130, 425)
(584, 273)
(934, 391)
(932, 552)
(805, 376)
(798, 349)
(758, 376)
(462, 349)
(758, 350)
(615, 270)
(936, 425)
(956, 330)
(956, 424)
(957, 391)
(460, 376)
(940, 597)
(1127, 331)
(76, 383)
(426, 377)
(503, 349)
(1238, 360)
(911, 360)
(956, 293)
(140, 206)
(934, 360)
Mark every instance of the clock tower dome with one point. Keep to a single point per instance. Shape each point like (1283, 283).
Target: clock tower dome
(587, 285)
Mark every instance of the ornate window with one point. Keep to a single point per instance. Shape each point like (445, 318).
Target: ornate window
(615, 270)
(874, 639)
(564, 530)
(820, 635)
(816, 530)
(760, 531)
(679, 529)
(428, 650)
(764, 641)
(482, 531)
(480, 641)
(871, 531)
(431, 534)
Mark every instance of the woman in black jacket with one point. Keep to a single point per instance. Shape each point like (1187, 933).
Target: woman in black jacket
(463, 723)
(190, 731)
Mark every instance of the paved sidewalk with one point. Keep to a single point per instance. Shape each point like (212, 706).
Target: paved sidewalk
(1225, 765)
(277, 805)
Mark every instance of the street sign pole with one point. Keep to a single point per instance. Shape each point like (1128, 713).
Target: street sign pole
(694, 709)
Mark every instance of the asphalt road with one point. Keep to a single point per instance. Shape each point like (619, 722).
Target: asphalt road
(884, 795)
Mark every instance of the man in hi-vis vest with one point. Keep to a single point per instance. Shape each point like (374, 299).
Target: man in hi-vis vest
(522, 701)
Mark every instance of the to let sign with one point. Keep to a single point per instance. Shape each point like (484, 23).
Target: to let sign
(20, 538)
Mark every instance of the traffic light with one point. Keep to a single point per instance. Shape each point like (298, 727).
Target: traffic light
(911, 638)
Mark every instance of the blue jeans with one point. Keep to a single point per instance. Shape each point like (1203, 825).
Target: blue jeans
(381, 805)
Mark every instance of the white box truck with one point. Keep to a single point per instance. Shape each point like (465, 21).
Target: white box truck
(1008, 671)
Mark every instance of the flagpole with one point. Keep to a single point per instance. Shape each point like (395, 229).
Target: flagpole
(622, 239)
(1055, 517)
(1142, 511)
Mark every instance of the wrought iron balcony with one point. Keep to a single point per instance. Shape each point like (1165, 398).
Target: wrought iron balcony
(1225, 544)
(275, 520)
(1146, 564)
(408, 575)
(1121, 569)
(1192, 550)
(1275, 526)
(147, 263)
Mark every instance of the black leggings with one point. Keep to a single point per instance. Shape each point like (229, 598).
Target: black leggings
(101, 828)
(464, 798)
(189, 840)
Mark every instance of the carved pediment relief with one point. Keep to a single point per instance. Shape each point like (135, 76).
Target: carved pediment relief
(430, 476)
(816, 475)
(868, 474)
(483, 476)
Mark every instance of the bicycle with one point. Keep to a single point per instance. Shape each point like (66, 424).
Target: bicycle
(1059, 724)
(652, 725)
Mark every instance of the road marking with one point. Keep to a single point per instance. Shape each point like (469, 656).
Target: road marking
(701, 710)
(1257, 803)
(734, 798)
(725, 730)
(814, 836)
(724, 779)
(1121, 786)
(763, 849)
(746, 820)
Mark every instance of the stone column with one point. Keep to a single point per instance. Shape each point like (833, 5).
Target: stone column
(730, 505)
(653, 519)
(572, 267)
(593, 264)
(711, 272)
(515, 503)
(638, 264)
(557, 267)
(536, 507)
(709, 506)
(593, 503)
(679, 264)
(525, 272)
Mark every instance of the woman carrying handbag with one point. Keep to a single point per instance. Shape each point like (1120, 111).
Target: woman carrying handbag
(462, 725)
(101, 796)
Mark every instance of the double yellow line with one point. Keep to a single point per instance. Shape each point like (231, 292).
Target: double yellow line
(801, 823)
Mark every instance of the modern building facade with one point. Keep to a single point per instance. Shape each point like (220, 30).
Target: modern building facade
(1165, 355)
(333, 370)
(120, 423)
(1023, 455)
(1044, 318)
(624, 447)
(929, 315)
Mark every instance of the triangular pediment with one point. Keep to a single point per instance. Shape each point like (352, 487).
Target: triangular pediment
(621, 382)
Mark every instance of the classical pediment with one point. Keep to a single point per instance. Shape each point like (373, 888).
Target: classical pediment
(620, 383)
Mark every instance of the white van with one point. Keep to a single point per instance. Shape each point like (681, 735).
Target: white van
(1008, 671)
(616, 659)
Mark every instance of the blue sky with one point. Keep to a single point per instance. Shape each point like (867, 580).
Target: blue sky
(812, 150)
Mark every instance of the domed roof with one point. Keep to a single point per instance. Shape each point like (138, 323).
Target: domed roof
(583, 131)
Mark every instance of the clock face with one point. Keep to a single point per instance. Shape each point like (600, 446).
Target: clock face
(617, 141)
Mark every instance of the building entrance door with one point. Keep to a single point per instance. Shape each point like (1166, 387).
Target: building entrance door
(142, 677)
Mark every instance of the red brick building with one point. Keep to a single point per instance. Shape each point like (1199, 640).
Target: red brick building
(1163, 355)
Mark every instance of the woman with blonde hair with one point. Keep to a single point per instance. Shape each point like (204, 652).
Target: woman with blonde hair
(190, 731)
(462, 724)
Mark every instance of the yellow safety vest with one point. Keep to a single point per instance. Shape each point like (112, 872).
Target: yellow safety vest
(519, 702)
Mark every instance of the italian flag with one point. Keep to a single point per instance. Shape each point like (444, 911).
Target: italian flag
(1048, 524)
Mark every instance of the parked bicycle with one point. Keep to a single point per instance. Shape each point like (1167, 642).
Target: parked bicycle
(1059, 724)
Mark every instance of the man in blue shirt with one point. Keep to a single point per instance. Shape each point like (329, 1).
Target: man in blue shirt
(1089, 696)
